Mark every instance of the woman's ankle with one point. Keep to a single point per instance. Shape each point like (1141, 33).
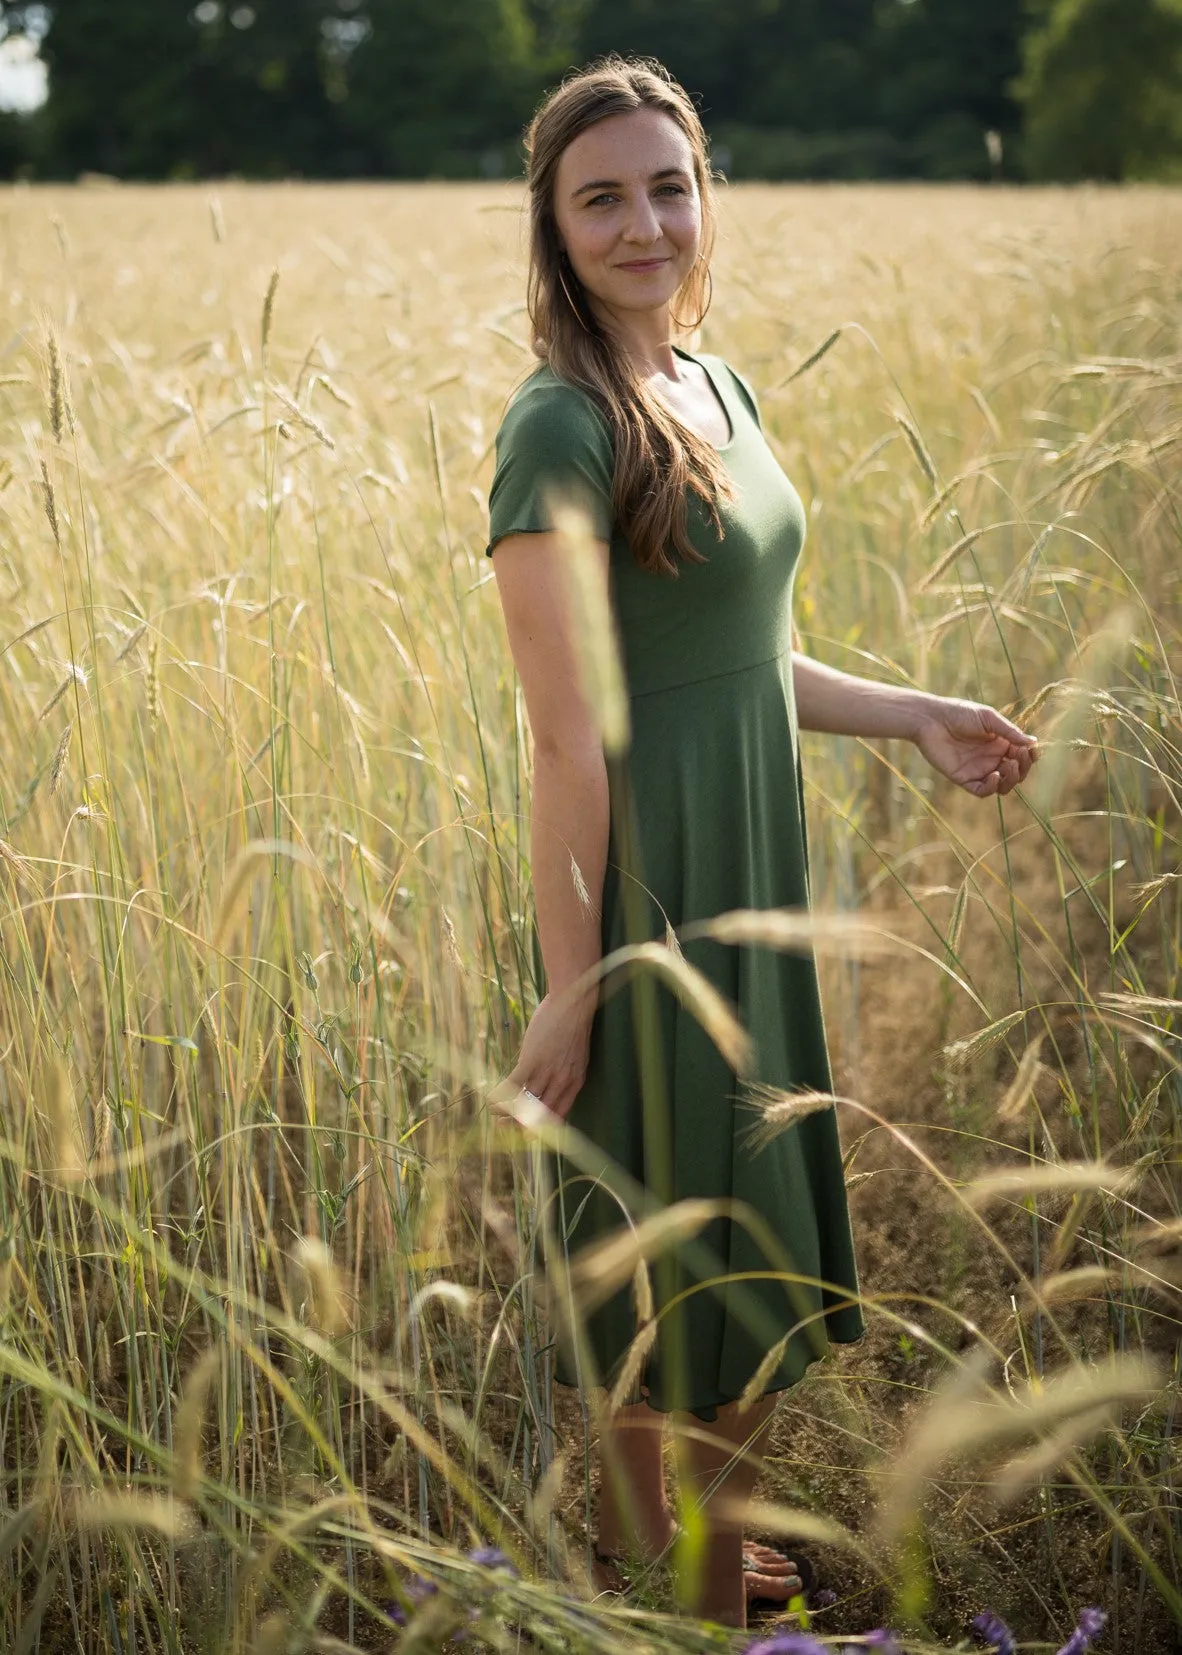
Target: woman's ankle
(647, 1536)
(718, 1593)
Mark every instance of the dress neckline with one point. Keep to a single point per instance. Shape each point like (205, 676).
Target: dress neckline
(723, 401)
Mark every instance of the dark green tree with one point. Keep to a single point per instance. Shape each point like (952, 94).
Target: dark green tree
(1102, 89)
(824, 88)
(17, 136)
(119, 99)
(440, 87)
(168, 88)
(779, 82)
(944, 75)
(695, 39)
(411, 88)
(555, 25)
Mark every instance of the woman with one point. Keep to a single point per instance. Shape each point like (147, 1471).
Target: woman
(696, 532)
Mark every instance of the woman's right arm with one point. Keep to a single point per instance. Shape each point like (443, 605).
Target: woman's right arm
(569, 810)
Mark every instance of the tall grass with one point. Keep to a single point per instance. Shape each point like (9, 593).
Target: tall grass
(272, 1338)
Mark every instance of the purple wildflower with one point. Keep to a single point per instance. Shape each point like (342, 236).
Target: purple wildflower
(491, 1557)
(1091, 1624)
(417, 1590)
(823, 1598)
(786, 1643)
(991, 1629)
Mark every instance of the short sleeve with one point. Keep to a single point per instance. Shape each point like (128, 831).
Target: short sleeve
(747, 394)
(553, 443)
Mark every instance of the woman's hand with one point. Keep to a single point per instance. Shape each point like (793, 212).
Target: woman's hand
(552, 1062)
(974, 746)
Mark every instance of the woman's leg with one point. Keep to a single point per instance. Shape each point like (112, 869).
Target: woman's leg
(634, 1515)
(720, 1462)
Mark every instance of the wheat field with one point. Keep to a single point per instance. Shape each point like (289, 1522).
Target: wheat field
(274, 1352)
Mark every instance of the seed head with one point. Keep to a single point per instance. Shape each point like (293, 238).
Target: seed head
(59, 758)
(61, 413)
(269, 307)
(450, 946)
(102, 1355)
(102, 1128)
(153, 683)
(919, 448)
(50, 503)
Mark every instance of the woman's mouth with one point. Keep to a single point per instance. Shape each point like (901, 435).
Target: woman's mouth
(639, 266)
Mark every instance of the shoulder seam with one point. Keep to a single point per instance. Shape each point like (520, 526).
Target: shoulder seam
(556, 387)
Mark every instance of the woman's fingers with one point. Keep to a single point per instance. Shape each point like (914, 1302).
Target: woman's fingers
(997, 724)
(556, 1090)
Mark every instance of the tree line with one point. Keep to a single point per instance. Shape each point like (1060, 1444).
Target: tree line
(830, 89)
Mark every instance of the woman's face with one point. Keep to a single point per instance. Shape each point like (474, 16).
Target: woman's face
(628, 211)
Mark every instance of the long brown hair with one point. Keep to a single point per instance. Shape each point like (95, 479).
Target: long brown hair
(659, 460)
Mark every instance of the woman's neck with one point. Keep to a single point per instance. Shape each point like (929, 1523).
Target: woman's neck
(646, 336)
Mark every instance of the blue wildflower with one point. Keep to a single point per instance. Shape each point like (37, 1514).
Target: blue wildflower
(1091, 1624)
(991, 1629)
(823, 1598)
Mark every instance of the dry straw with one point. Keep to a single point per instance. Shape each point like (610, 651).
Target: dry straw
(603, 1268)
(969, 1424)
(794, 931)
(1013, 1183)
(155, 1513)
(327, 1304)
(188, 1425)
(795, 1523)
(1021, 1089)
(692, 988)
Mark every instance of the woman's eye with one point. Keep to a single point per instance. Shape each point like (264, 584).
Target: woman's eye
(605, 198)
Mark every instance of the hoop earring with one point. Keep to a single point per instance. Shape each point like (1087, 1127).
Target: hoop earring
(691, 327)
(570, 301)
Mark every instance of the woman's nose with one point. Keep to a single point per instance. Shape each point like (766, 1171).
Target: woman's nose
(643, 225)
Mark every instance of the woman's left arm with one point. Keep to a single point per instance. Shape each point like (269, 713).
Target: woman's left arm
(971, 744)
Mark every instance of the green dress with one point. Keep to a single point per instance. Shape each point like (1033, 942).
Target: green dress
(710, 804)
